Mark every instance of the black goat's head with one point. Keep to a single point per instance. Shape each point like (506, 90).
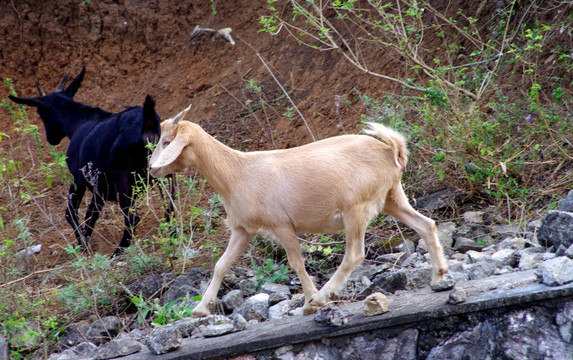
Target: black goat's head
(50, 105)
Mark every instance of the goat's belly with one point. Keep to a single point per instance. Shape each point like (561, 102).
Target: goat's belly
(331, 224)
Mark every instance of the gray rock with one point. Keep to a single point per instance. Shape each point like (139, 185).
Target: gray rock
(4, 348)
(464, 244)
(505, 231)
(483, 267)
(255, 308)
(104, 329)
(406, 246)
(534, 225)
(118, 348)
(557, 229)
(419, 278)
(439, 200)
(557, 271)
(475, 343)
(232, 300)
(187, 326)
(179, 290)
(564, 320)
(75, 334)
(473, 217)
(151, 286)
(529, 259)
(248, 287)
(569, 252)
(531, 335)
(393, 258)
(239, 323)
(506, 257)
(422, 247)
(446, 232)
(457, 296)
(513, 243)
(272, 288)
(280, 310)
(331, 315)
(186, 285)
(390, 281)
(216, 330)
(567, 203)
(401, 347)
(85, 349)
(66, 355)
(447, 283)
(164, 339)
(317, 351)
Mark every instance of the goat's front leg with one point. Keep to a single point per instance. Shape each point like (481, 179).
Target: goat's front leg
(355, 224)
(290, 242)
(75, 196)
(237, 244)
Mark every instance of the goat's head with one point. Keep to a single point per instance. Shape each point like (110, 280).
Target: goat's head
(49, 105)
(175, 137)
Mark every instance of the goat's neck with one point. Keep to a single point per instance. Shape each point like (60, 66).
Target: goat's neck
(77, 115)
(219, 164)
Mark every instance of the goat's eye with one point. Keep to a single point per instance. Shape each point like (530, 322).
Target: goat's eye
(166, 143)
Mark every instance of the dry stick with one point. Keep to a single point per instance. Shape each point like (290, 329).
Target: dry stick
(282, 88)
(27, 276)
(256, 118)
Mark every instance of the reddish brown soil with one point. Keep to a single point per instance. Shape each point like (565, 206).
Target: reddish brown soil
(136, 48)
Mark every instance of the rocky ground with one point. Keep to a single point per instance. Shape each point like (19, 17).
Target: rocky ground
(542, 253)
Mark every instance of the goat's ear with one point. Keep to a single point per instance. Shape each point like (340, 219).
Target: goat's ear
(150, 129)
(75, 85)
(36, 102)
(170, 153)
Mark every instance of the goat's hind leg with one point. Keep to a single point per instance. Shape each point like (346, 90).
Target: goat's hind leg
(131, 220)
(398, 206)
(237, 244)
(75, 196)
(92, 215)
(355, 223)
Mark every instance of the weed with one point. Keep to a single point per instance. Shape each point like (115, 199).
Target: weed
(271, 272)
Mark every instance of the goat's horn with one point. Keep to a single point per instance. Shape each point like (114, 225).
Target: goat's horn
(62, 83)
(40, 90)
(181, 114)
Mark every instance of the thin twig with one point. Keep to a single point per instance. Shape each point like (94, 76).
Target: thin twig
(27, 276)
(282, 88)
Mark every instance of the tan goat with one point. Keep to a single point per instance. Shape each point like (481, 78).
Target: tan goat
(338, 183)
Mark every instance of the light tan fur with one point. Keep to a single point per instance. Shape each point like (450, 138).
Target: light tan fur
(338, 183)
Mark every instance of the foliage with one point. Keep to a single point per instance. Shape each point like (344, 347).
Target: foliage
(162, 315)
(271, 272)
(459, 100)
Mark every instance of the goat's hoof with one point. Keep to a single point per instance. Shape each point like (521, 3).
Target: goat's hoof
(309, 309)
(318, 300)
(200, 311)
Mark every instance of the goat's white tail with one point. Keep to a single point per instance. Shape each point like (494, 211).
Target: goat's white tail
(391, 138)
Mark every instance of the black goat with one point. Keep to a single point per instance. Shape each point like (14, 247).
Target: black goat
(107, 152)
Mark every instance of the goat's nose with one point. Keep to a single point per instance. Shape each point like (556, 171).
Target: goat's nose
(153, 171)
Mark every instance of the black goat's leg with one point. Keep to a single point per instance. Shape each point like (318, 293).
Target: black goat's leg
(92, 215)
(75, 196)
(131, 221)
(171, 196)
